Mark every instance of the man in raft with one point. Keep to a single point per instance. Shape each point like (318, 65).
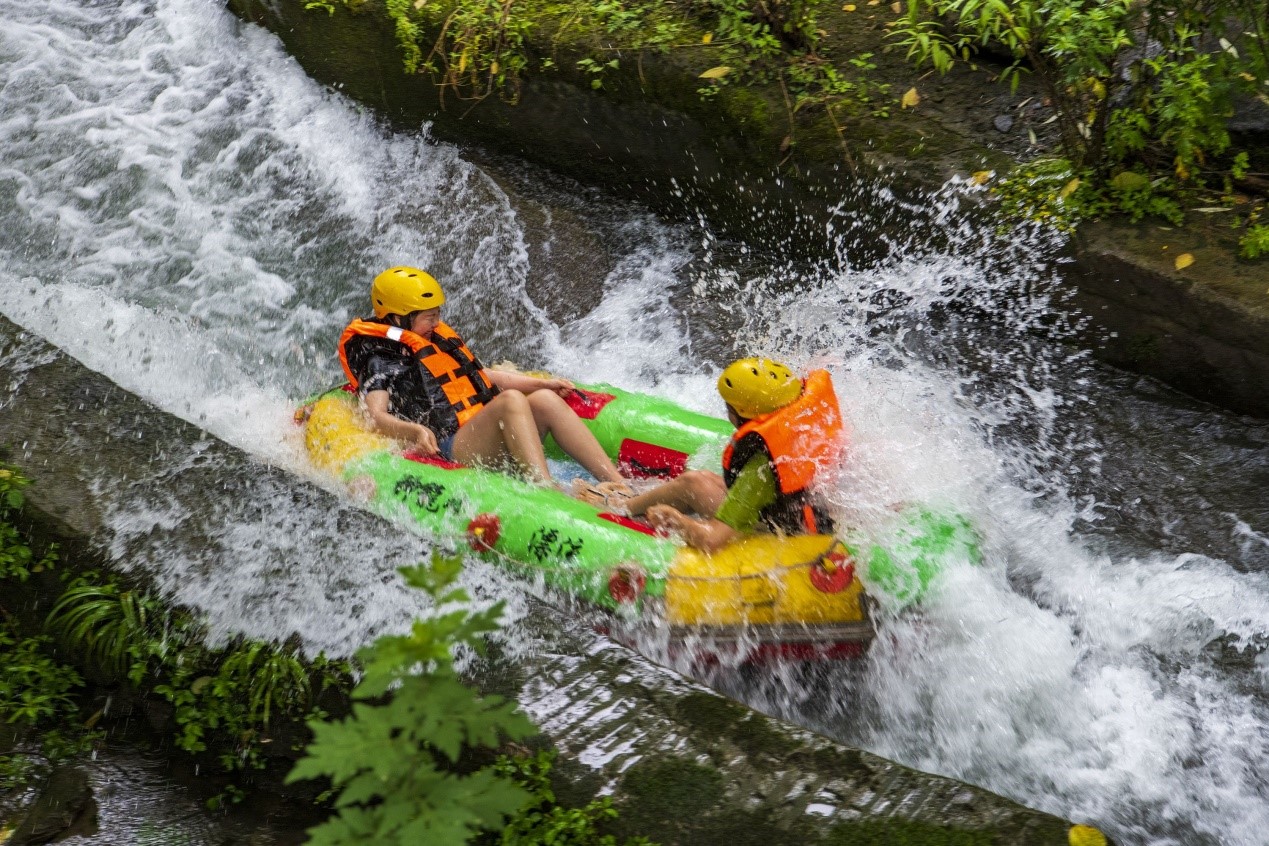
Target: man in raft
(422, 385)
(787, 431)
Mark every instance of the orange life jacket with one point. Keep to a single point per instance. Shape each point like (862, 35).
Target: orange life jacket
(798, 441)
(444, 356)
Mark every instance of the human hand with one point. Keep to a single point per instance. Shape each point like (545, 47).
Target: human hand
(425, 441)
(666, 518)
(563, 387)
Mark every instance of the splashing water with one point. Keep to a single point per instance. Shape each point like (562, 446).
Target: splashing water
(187, 213)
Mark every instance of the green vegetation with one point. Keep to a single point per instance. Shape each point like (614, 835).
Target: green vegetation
(1138, 94)
(33, 687)
(16, 559)
(401, 766)
(1141, 94)
(224, 700)
(37, 693)
(478, 49)
(404, 766)
(110, 627)
(1255, 243)
(392, 764)
(542, 821)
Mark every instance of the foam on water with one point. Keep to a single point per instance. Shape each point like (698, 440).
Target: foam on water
(187, 213)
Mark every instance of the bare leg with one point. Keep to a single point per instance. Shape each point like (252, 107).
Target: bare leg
(553, 416)
(503, 429)
(696, 491)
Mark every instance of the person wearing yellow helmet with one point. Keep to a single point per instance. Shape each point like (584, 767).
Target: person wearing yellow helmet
(422, 384)
(788, 431)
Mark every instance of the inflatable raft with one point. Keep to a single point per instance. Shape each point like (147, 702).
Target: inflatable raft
(799, 596)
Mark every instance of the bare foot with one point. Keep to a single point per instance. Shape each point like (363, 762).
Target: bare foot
(608, 495)
(621, 489)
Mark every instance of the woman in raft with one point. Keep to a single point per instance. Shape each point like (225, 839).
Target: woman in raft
(421, 384)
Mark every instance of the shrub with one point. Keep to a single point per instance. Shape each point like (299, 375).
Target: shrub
(391, 763)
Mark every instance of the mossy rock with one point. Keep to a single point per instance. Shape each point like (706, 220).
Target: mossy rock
(676, 802)
(711, 716)
(896, 832)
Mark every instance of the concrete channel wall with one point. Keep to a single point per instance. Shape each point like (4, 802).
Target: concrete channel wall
(685, 765)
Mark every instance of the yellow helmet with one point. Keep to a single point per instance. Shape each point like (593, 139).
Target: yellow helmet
(404, 290)
(754, 386)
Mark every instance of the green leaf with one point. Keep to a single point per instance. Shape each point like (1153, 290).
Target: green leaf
(384, 761)
(1130, 181)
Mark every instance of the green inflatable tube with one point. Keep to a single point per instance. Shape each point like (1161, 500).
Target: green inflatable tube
(581, 551)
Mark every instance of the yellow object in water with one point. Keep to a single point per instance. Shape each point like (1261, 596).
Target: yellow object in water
(764, 580)
(335, 434)
(1086, 835)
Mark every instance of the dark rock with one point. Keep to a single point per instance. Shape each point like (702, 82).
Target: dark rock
(1251, 116)
(1003, 123)
(160, 716)
(65, 805)
(9, 737)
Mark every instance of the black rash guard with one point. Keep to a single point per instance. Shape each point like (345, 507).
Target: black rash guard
(381, 364)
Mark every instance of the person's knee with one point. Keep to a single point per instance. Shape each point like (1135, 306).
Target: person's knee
(511, 401)
(698, 481)
(548, 402)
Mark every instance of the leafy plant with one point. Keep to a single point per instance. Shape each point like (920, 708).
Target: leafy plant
(596, 70)
(225, 699)
(390, 763)
(1071, 45)
(111, 627)
(1046, 191)
(230, 698)
(1255, 242)
(270, 677)
(543, 822)
(407, 32)
(17, 769)
(1136, 88)
(480, 49)
(17, 561)
(33, 687)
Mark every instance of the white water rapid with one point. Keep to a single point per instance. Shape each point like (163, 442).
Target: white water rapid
(184, 211)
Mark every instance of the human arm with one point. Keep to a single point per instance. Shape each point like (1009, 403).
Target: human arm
(386, 423)
(707, 535)
(753, 489)
(509, 380)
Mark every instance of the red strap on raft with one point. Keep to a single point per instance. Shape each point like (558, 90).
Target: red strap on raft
(644, 460)
(622, 520)
(434, 460)
(588, 404)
